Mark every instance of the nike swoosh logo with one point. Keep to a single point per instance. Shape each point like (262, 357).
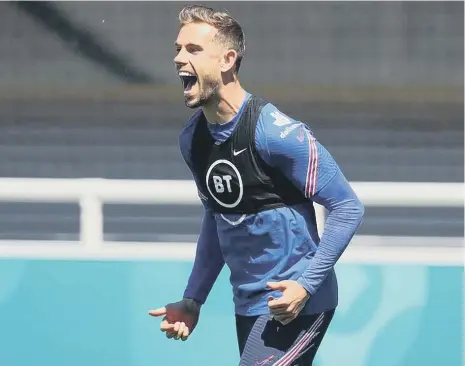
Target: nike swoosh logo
(235, 153)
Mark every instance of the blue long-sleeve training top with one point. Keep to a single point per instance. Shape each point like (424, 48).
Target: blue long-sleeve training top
(282, 243)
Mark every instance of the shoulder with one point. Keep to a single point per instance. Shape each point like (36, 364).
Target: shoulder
(185, 137)
(270, 113)
(276, 126)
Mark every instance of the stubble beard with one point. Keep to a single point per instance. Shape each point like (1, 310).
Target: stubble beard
(205, 96)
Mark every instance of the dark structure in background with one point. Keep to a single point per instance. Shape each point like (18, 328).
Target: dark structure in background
(89, 90)
(82, 42)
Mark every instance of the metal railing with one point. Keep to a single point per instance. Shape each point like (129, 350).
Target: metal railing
(92, 193)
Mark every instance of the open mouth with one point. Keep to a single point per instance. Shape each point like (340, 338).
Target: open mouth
(188, 80)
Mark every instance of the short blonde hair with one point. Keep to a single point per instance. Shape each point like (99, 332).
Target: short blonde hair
(229, 31)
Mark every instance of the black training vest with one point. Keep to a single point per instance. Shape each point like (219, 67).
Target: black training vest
(233, 175)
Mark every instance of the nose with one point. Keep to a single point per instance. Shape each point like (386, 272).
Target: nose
(180, 58)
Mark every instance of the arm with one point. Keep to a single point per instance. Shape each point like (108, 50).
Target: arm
(208, 261)
(306, 163)
(208, 258)
(344, 218)
(180, 318)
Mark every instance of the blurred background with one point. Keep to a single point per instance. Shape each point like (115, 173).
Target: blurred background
(89, 89)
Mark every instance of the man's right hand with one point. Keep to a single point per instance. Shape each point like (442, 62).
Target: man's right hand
(180, 318)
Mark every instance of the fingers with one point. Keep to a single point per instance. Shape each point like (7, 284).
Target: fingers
(166, 326)
(178, 330)
(158, 312)
(185, 334)
(172, 330)
(181, 328)
(169, 328)
(285, 318)
(277, 285)
(275, 308)
(281, 310)
(169, 325)
(278, 312)
(277, 303)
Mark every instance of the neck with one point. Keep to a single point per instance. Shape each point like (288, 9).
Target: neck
(226, 103)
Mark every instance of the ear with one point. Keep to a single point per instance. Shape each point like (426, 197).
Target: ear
(229, 60)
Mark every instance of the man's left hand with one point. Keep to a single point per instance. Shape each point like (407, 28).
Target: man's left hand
(286, 308)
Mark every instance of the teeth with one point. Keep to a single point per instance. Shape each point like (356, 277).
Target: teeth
(185, 73)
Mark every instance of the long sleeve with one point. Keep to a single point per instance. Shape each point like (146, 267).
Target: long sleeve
(344, 217)
(208, 261)
(289, 145)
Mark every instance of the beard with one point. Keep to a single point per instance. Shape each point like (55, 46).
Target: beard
(205, 95)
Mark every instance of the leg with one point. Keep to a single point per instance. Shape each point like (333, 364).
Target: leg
(269, 343)
(308, 353)
(244, 325)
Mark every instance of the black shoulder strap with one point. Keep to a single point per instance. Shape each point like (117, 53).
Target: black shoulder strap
(202, 142)
(248, 121)
(265, 173)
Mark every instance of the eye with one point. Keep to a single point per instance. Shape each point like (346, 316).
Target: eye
(194, 49)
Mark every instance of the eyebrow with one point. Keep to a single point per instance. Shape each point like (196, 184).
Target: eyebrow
(189, 44)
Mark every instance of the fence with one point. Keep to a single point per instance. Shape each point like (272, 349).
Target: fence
(93, 193)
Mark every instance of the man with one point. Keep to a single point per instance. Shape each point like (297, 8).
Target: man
(258, 173)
